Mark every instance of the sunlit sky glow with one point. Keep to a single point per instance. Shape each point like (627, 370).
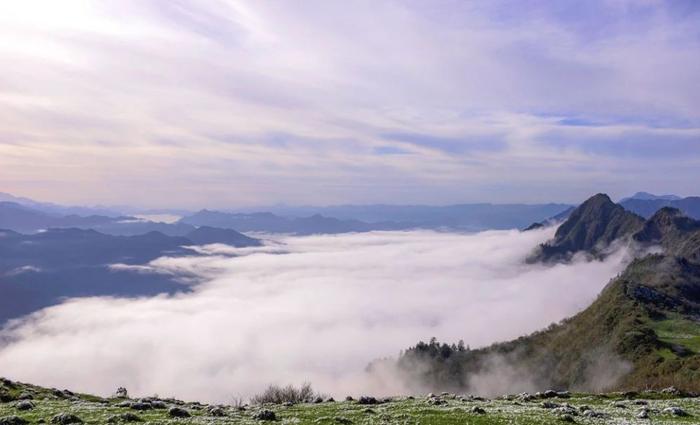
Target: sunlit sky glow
(233, 103)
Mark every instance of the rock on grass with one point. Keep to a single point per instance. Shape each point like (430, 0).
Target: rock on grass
(265, 415)
(178, 412)
(65, 419)
(13, 420)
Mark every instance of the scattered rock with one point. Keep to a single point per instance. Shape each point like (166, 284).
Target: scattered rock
(349, 398)
(26, 396)
(566, 418)
(619, 405)
(124, 417)
(6, 397)
(640, 402)
(318, 400)
(13, 420)
(216, 411)
(643, 414)
(549, 394)
(478, 410)
(549, 405)
(122, 392)
(675, 411)
(563, 394)
(671, 391)
(178, 412)
(58, 393)
(140, 405)
(593, 414)
(330, 400)
(158, 404)
(526, 397)
(265, 415)
(566, 410)
(342, 420)
(367, 400)
(24, 405)
(66, 418)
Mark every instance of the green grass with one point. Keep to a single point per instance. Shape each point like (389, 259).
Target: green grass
(679, 331)
(403, 411)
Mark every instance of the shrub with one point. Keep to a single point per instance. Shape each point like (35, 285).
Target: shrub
(276, 394)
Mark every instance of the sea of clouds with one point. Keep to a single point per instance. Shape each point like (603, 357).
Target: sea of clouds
(314, 309)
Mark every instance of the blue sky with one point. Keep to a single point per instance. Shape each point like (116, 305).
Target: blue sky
(228, 103)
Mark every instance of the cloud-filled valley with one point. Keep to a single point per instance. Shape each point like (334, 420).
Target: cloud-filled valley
(315, 309)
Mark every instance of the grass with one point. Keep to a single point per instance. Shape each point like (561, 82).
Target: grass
(679, 331)
(404, 411)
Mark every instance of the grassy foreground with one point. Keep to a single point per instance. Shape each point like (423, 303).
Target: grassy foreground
(27, 404)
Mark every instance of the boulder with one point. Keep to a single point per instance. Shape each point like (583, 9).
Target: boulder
(675, 411)
(65, 419)
(367, 400)
(124, 417)
(24, 405)
(216, 411)
(265, 415)
(178, 412)
(12, 420)
(141, 405)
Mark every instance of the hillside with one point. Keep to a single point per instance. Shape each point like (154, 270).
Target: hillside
(642, 331)
(22, 404)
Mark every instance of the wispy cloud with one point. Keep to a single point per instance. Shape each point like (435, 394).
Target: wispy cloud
(132, 94)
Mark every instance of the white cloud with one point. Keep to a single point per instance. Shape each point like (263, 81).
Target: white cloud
(182, 98)
(318, 312)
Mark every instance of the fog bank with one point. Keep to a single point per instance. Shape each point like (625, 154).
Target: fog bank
(315, 309)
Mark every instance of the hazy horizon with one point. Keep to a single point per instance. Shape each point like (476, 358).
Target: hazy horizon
(270, 206)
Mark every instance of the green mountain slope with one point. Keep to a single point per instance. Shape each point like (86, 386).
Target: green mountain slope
(643, 331)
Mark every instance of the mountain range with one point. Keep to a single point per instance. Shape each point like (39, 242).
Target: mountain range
(643, 330)
(41, 269)
(27, 216)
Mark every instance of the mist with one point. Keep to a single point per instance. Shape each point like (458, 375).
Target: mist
(314, 309)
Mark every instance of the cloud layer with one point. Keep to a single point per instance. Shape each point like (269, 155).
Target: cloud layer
(230, 103)
(315, 309)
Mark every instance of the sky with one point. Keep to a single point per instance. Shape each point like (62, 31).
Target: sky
(313, 309)
(227, 104)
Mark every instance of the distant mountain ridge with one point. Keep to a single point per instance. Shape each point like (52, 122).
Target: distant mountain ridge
(38, 270)
(342, 219)
(646, 196)
(690, 206)
(56, 209)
